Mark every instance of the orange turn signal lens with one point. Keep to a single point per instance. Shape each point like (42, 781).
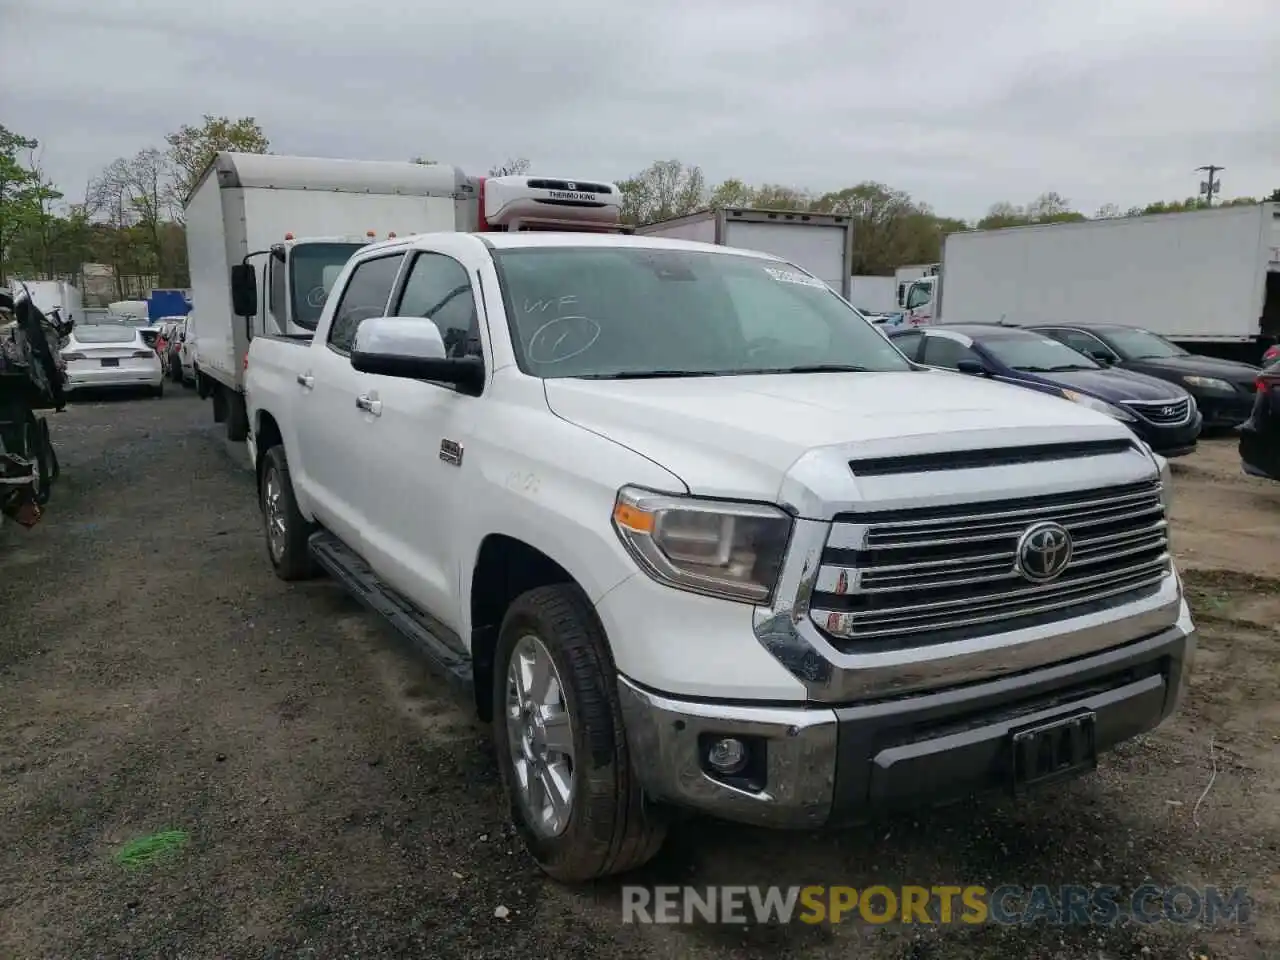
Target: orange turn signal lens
(632, 518)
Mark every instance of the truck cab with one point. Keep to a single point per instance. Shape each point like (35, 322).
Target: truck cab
(295, 282)
(920, 301)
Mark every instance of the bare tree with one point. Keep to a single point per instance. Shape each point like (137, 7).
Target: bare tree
(517, 166)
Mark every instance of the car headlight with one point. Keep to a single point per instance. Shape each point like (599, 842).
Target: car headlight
(1093, 403)
(720, 548)
(1208, 383)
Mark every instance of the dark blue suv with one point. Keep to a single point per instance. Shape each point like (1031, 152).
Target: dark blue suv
(1161, 413)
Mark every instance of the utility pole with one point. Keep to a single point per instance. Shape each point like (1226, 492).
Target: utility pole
(1211, 185)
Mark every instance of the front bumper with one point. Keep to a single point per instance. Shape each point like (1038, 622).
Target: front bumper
(143, 375)
(831, 764)
(1170, 441)
(1224, 410)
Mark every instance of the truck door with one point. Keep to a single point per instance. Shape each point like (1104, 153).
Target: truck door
(427, 448)
(336, 435)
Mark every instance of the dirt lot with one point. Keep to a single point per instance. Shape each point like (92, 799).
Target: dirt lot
(154, 675)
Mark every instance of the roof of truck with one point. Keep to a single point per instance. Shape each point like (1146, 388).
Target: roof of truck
(327, 173)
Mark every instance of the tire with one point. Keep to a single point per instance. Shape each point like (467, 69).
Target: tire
(609, 828)
(175, 368)
(289, 554)
(219, 393)
(237, 417)
(158, 390)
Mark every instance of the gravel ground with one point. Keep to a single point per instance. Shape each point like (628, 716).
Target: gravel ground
(154, 675)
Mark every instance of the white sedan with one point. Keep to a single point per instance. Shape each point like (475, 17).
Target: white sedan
(111, 355)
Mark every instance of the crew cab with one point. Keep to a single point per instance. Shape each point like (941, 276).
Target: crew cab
(689, 532)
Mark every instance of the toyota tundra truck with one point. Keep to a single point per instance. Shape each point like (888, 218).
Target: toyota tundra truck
(689, 533)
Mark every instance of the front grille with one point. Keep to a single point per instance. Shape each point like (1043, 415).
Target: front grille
(1166, 413)
(902, 578)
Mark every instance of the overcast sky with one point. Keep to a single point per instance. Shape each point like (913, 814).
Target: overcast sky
(960, 103)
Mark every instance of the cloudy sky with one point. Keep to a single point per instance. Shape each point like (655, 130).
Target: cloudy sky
(960, 103)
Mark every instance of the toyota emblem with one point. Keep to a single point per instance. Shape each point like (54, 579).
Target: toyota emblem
(1044, 550)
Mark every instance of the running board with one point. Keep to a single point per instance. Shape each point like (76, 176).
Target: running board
(349, 568)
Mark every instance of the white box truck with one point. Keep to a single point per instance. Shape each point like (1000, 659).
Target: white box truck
(304, 217)
(1209, 280)
(821, 243)
(874, 294)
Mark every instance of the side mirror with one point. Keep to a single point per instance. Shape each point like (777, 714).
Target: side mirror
(1102, 357)
(974, 367)
(412, 348)
(244, 290)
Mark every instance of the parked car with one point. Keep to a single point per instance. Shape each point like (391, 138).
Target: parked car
(1223, 388)
(1271, 355)
(187, 355)
(1260, 434)
(1160, 413)
(111, 355)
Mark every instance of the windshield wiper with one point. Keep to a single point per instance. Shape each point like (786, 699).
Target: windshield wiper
(649, 374)
(1065, 367)
(811, 368)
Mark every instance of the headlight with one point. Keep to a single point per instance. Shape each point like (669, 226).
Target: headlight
(715, 547)
(1208, 383)
(1093, 403)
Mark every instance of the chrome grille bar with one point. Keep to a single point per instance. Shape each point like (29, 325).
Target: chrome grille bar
(905, 574)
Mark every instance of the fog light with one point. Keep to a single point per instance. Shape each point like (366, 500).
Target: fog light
(727, 755)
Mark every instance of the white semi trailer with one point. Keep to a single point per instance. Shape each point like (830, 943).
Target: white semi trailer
(821, 243)
(1208, 280)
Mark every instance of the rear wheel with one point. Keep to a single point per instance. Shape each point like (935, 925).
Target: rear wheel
(562, 750)
(287, 531)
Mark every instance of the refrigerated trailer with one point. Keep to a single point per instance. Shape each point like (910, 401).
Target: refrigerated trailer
(1208, 280)
(297, 220)
(821, 243)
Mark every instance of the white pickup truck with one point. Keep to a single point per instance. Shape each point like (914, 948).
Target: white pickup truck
(692, 534)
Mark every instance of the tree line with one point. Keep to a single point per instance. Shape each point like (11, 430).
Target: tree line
(130, 217)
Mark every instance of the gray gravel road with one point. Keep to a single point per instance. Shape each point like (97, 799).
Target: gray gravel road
(154, 675)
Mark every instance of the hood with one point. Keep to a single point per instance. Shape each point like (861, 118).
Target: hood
(1231, 371)
(737, 436)
(1114, 385)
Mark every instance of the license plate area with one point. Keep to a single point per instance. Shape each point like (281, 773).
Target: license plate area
(1057, 749)
(111, 362)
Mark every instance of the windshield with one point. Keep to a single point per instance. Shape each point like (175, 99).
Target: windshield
(106, 333)
(315, 267)
(639, 311)
(1135, 344)
(1035, 353)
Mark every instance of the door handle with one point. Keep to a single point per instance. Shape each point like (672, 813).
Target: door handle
(306, 380)
(369, 405)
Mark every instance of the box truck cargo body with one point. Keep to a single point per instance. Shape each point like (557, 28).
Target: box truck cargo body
(821, 243)
(874, 294)
(1208, 279)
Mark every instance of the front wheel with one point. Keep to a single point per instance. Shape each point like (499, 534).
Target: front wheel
(561, 746)
(286, 529)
